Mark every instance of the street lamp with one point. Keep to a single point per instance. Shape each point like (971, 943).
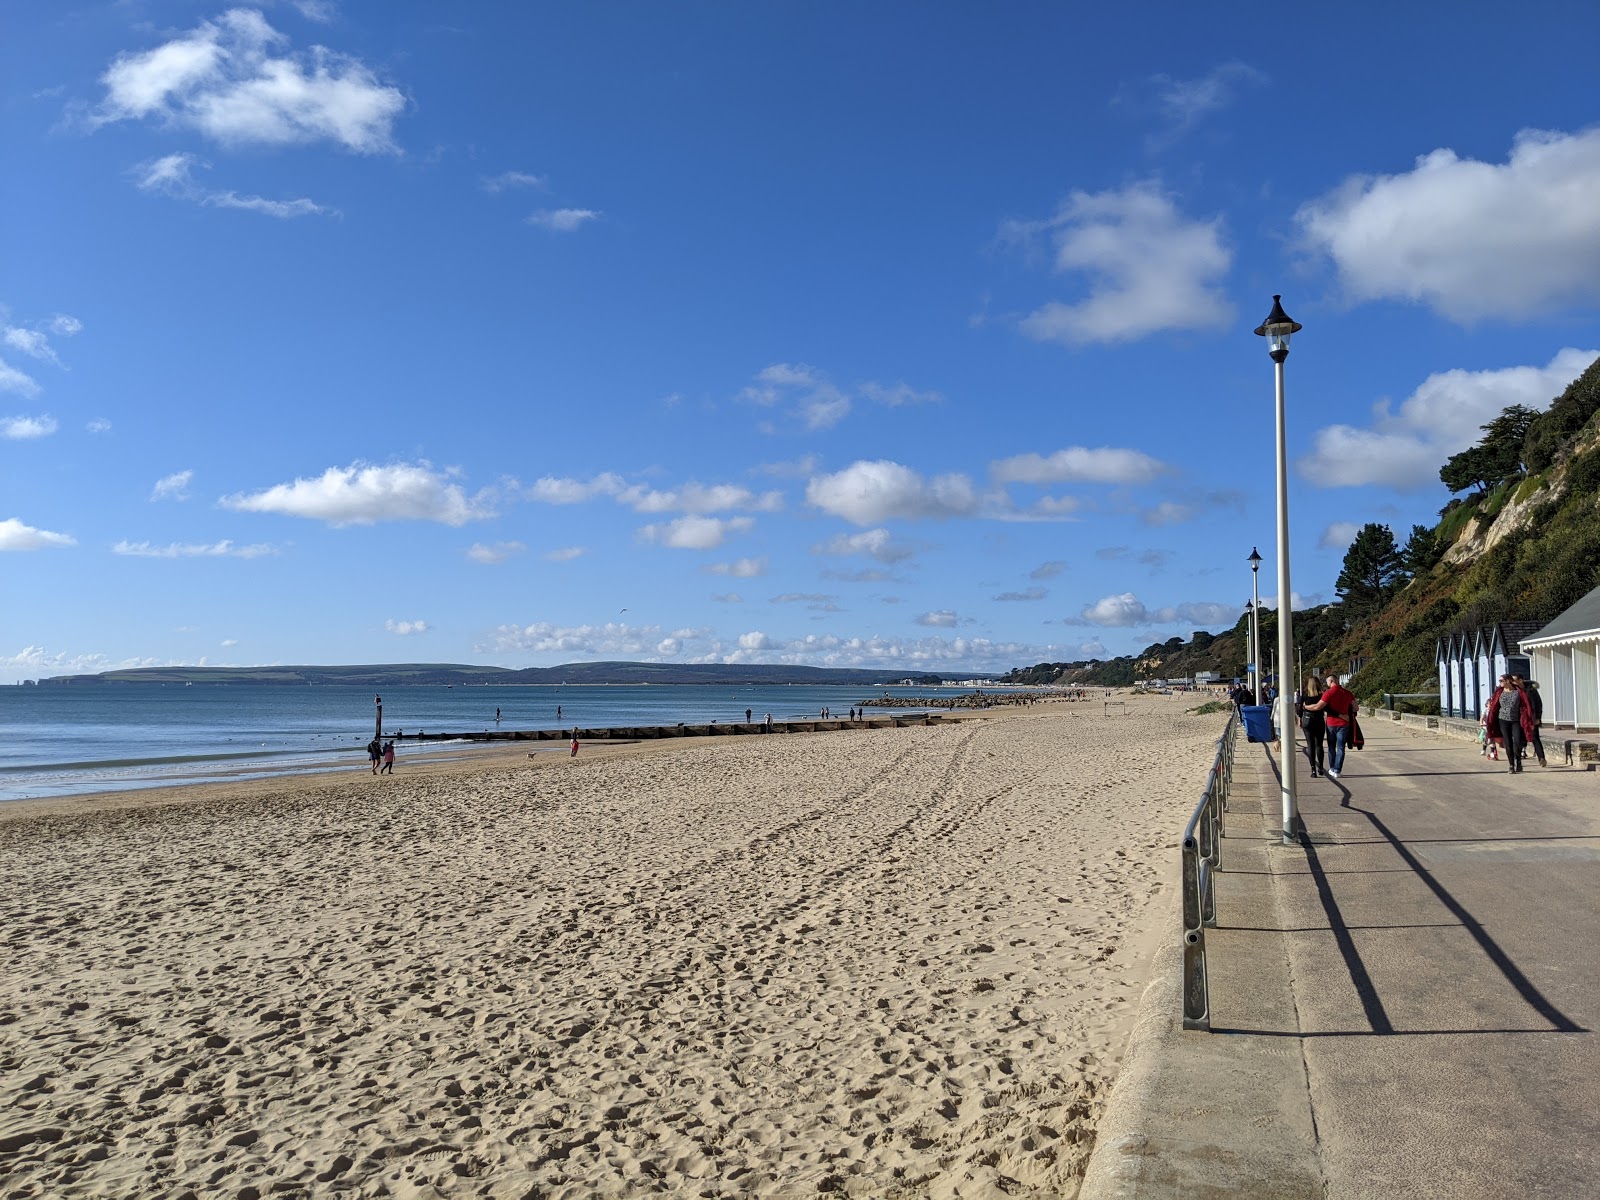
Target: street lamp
(1276, 329)
(1255, 624)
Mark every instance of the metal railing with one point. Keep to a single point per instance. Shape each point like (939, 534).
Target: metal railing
(1202, 855)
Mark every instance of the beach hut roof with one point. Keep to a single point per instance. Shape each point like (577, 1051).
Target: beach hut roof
(1579, 623)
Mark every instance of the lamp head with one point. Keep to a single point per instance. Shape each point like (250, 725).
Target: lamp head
(1276, 329)
(1255, 559)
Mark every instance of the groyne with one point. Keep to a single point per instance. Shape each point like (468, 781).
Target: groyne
(641, 733)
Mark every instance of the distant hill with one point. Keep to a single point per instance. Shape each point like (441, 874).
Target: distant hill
(456, 674)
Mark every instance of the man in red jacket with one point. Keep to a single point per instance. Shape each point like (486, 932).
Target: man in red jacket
(1336, 706)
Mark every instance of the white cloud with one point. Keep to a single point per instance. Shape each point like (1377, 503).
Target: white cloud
(867, 493)
(1117, 611)
(1048, 570)
(562, 220)
(899, 395)
(405, 628)
(1338, 536)
(874, 543)
(222, 549)
(170, 176)
(98, 425)
(1471, 239)
(942, 619)
(227, 642)
(227, 79)
(1149, 268)
(550, 490)
(1404, 449)
(320, 11)
(801, 467)
(65, 326)
(31, 342)
(1126, 610)
(1028, 594)
(1167, 512)
(743, 568)
(13, 380)
(611, 640)
(14, 535)
(805, 393)
(1079, 464)
(174, 486)
(695, 532)
(496, 552)
(1184, 103)
(754, 641)
(361, 494)
(693, 498)
(507, 180)
(565, 554)
(24, 428)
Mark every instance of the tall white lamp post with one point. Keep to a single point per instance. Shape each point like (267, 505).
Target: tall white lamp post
(1255, 623)
(1276, 329)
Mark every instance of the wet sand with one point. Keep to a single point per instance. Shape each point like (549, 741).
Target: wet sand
(875, 963)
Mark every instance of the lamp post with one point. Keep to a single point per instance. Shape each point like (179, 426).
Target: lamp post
(1276, 329)
(1255, 624)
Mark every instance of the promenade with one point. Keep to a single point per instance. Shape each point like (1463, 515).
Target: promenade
(1405, 1004)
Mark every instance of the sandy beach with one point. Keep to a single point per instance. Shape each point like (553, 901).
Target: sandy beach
(872, 963)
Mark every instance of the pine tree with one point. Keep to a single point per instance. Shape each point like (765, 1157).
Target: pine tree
(1372, 571)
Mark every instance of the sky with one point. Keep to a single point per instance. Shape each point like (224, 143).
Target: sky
(905, 335)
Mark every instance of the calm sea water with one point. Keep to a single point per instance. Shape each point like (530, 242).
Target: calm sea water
(59, 741)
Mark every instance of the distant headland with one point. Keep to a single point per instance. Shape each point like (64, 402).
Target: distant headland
(459, 675)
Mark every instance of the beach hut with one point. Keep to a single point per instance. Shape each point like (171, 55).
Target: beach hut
(1565, 658)
(1448, 683)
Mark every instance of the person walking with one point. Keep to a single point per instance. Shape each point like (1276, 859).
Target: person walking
(1312, 724)
(1336, 704)
(1510, 710)
(574, 753)
(388, 759)
(374, 754)
(1536, 704)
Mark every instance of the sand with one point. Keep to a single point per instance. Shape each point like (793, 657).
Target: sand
(873, 963)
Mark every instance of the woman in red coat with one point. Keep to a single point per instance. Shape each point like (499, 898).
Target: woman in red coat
(1509, 718)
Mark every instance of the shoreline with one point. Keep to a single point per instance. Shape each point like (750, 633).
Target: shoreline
(891, 962)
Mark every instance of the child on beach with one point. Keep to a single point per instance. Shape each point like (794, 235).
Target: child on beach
(574, 753)
(388, 759)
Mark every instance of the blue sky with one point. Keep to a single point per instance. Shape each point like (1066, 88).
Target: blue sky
(903, 335)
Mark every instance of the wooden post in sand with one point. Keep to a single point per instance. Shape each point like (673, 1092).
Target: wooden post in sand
(378, 703)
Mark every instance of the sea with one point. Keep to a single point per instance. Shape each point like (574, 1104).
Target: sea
(71, 740)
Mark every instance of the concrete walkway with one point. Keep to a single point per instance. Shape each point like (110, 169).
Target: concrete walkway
(1405, 1004)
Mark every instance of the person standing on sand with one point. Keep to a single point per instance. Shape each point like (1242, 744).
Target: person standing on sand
(374, 753)
(1311, 724)
(388, 759)
(574, 753)
(1336, 704)
(747, 716)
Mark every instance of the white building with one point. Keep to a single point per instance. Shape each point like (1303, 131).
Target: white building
(1566, 664)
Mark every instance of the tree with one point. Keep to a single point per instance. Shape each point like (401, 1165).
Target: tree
(1421, 551)
(1471, 469)
(1502, 441)
(1371, 572)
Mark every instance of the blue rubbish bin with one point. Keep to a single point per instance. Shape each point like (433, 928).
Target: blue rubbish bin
(1257, 722)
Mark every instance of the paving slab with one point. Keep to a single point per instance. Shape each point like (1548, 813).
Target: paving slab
(1404, 1003)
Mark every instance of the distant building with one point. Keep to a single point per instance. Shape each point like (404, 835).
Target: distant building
(1566, 664)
